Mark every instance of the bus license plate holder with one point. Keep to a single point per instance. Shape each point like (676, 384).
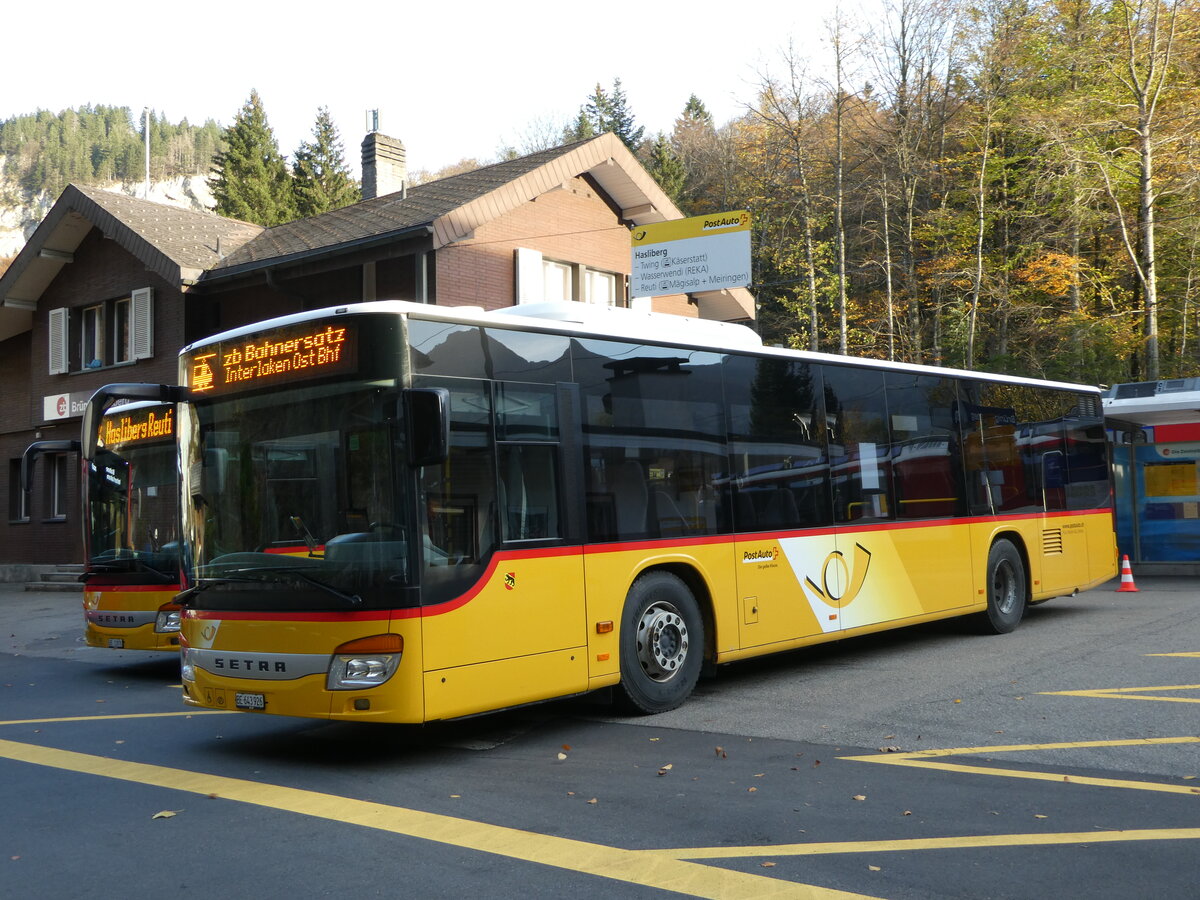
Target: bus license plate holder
(243, 700)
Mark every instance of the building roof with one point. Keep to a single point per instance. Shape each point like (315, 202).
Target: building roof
(177, 244)
(193, 247)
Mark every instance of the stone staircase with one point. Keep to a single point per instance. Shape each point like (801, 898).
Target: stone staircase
(63, 578)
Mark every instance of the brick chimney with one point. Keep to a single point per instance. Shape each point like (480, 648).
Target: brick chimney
(384, 170)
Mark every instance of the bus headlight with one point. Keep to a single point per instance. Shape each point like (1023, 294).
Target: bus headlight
(167, 620)
(365, 663)
(186, 670)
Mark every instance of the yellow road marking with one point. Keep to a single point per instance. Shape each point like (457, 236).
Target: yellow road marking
(968, 842)
(1138, 693)
(1191, 654)
(922, 759)
(633, 866)
(161, 715)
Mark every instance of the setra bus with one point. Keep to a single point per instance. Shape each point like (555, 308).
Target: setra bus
(130, 517)
(404, 513)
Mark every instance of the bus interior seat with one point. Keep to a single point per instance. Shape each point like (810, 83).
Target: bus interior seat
(781, 511)
(631, 497)
(671, 521)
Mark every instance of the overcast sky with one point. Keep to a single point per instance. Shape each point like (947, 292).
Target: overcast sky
(451, 80)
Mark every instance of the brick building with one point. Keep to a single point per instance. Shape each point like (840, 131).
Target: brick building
(109, 288)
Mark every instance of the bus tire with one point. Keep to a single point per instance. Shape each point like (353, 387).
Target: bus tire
(662, 644)
(1006, 589)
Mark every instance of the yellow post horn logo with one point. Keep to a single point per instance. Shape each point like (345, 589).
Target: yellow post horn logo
(853, 578)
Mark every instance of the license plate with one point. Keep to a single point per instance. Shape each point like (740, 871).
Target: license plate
(250, 701)
(116, 643)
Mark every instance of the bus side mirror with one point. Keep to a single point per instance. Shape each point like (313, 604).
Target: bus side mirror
(31, 454)
(427, 425)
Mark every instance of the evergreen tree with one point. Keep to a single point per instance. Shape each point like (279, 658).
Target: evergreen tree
(621, 122)
(249, 177)
(321, 179)
(666, 167)
(581, 129)
(606, 111)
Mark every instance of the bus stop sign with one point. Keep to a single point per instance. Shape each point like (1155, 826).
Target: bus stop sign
(684, 256)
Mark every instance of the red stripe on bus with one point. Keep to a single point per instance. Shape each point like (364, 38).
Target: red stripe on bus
(657, 544)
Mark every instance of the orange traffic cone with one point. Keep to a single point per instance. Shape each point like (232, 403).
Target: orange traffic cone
(1126, 576)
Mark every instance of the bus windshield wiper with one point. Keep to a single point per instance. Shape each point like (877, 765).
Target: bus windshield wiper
(128, 563)
(203, 584)
(290, 571)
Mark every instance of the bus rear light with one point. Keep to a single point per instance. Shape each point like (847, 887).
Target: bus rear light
(365, 663)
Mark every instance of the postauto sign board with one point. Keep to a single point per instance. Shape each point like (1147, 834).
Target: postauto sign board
(684, 256)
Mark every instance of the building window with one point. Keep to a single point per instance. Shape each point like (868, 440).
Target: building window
(18, 501)
(539, 279)
(123, 330)
(557, 281)
(91, 350)
(58, 485)
(111, 333)
(600, 288)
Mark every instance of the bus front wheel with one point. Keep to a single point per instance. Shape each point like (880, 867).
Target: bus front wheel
(662, 643)
(1006, 590)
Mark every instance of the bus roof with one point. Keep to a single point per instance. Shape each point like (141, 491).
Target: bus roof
(586, 320)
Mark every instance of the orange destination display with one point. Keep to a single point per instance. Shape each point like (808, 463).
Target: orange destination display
(280, 357)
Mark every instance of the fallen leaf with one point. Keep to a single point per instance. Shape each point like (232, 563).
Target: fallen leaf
(751, 790)
(767, 865)
(164, 814)
(456, 796)
(99, 701)
(570, 793)
(889, 749)
(889, 737)
(1188, 777)
(664, 770)
(860, 796)
(118, 742)
(816, 762)
(562, 756)
(13, 857)
(958, 701)
(566, 746)
(907, 812)
(214, 796)
(593, 801)
(760, 774)
(874, 868)
(1040, 816)
(655, 739)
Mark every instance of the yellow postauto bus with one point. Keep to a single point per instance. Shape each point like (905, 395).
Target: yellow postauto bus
(130, 516)
(395, 512)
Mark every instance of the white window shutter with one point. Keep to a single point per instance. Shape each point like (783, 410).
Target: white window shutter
(143, 323)
(531, 284)
(59, 363)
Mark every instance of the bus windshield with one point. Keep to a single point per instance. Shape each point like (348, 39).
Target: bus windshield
(291, 498)
(130, 496)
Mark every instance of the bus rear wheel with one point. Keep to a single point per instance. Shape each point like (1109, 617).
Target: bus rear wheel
(662, 643)
(1006, 589)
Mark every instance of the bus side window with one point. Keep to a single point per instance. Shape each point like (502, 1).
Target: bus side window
(926, 462)
(777, 443)
(859, 443)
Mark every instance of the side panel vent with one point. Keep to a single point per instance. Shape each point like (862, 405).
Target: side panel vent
(1052, 542)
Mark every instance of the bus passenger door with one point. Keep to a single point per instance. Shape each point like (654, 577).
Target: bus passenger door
(503, 620)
